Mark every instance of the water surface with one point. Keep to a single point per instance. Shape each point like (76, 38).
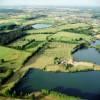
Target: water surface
(88, 54)
(40, 26)
(84, 84)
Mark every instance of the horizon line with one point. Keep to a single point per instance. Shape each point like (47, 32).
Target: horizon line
(56, 5)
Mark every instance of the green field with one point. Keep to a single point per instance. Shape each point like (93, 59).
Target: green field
(48, 49)
(70, 37)
(29, 42)
(38, 37)
(13, 59)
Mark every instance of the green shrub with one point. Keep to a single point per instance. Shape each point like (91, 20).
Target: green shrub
(45, 92)
(57, 60)
(69, 66)
(2, 61)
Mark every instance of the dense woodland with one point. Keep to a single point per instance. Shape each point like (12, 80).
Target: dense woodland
(7, 37)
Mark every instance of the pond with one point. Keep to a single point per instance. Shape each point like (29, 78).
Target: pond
(88, 54)
(41, 26)
(83, 84)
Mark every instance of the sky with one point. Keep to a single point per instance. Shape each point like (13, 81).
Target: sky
(51, 2)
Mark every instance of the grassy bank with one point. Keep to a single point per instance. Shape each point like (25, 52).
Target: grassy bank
(46, 94)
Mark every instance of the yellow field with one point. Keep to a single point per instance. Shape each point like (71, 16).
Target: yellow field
(54, 49)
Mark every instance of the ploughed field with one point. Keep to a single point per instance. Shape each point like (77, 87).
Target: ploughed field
(44, 43)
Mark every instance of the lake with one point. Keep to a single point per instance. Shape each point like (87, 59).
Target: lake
(83, 84)
(88, 54)
(41, 26)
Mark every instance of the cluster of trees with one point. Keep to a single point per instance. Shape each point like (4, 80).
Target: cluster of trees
(2, 61)
(27, 27)
(7, 37)
(37, 49)
(24, 45)
(7, 74)
(80, 46)
(35, 17)
(17, 32)
(57, 60)
(62, 62)
(8, 26)
(49, 39)
(2, 69)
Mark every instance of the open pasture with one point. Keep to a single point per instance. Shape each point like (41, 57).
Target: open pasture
(12, 59)
(70, 37)
(46, 57)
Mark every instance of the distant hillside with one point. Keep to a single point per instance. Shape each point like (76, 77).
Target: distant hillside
(2, 10)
